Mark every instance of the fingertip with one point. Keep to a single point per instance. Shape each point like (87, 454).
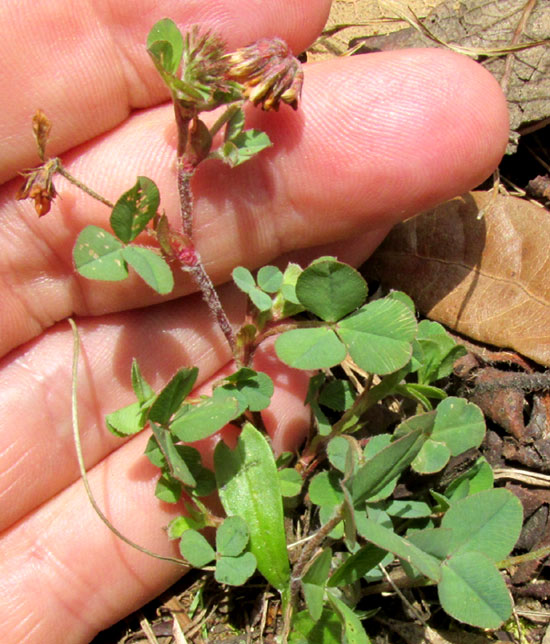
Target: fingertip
(382, 136)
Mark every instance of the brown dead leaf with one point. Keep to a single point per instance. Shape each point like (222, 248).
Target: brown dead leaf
(486, 24)
(488, 279)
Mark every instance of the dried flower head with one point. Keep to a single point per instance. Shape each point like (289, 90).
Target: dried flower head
(269, 72)
(39, 186)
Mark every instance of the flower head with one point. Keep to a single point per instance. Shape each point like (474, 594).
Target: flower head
(39, 186)
(269, 73)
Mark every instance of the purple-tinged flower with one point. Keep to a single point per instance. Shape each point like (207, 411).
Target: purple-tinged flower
(269, 73)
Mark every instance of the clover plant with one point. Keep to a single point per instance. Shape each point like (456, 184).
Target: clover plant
(363, 352)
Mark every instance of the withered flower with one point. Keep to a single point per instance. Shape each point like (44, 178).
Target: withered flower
(39, 186)
(269, 73)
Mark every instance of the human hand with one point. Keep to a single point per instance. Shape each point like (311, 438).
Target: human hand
(377, 138)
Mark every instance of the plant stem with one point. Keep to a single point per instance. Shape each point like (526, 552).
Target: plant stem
(303, 560)
(61, 170)
(210, 296)
(186, 198)
(82, 467)
(225, 117)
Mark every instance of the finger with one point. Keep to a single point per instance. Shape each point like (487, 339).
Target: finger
(88, 69)
(38, 460)
(89, 579)
(379, 138)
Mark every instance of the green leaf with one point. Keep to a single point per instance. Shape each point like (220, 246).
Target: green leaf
(232, 537)
(432, 457)
(256, 387)
(243, 278)
(459, 424)
(316, 348)
(180, 524)
(325, 489)
(166, 31)
(286, 303)
(270, 279)
(172, 396)
(375, 445)
(379, 336)
(478, 478)
(196, 549)
(141, 387)
(177, 465)
(204, 419)
(488, 522)
(151, 267)
(472, 590)
(261, 300)
(168, 489)
(339, 452)
(291, 482)
(408, 509)
(235, 570)
(384, 466)
(403, 298)
(313, 583)
(420, 393)
(330, 289)
(235, 125)
(154, 453)
(357, 565)
(135, 209)
(439, 349)
(337, 395)
(98, 255)
(434, 541)
(326, 630)
(386, 539)
(128, 420)
(248, 144)
(353, 631)
(318, 571)
(248, 486)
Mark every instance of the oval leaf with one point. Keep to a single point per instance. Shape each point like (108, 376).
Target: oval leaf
(204, 419)
(167, 31)
(317, 348)
(270, 279)
(150, 267)
(379, 336)
(487, 522)
(459, 424)
(196, 549)
(243, 278)
(432, 457)
(472, 590)
(232, 536)
(98, 255)
(235, 570)
(249, 487)
(135, 209)
(330, 289)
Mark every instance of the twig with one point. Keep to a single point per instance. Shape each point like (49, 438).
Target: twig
(505, 81)
(82, 467)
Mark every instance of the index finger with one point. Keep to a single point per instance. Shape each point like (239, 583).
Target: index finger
(88, 68)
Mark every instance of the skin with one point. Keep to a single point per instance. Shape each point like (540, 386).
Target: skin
(377, 139)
